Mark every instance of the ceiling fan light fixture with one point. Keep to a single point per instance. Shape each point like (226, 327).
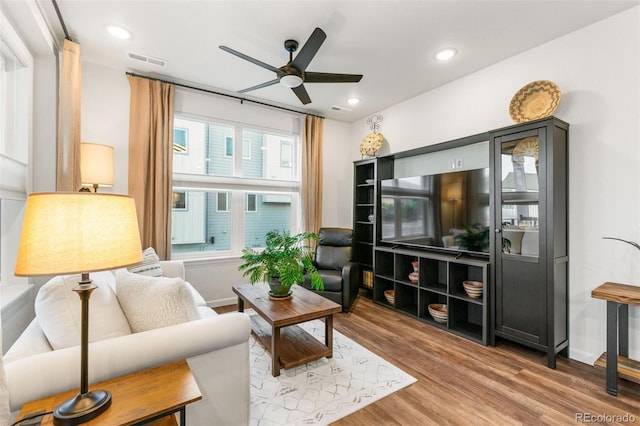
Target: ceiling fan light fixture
(291, 81)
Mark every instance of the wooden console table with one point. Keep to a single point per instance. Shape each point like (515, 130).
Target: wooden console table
(139, 398)
(615, 360)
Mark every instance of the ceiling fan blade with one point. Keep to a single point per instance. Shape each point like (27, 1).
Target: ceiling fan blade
(302, 94)
(249, 58)
(325, 77)
(309, 50)
(260, 86)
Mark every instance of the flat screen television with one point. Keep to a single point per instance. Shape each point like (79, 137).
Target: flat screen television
(445, 211)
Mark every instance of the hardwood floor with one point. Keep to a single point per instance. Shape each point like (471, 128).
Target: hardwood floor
(461, 382)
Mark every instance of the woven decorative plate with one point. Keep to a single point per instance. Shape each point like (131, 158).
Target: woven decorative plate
(537, 99)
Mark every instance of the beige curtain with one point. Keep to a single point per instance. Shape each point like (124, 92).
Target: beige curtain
(312, 173)
(151, 160)
(68, 162)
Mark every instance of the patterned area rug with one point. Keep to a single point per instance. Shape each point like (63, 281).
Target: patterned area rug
(321, 391)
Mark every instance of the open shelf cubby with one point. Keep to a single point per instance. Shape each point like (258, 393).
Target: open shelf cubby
(440, 280)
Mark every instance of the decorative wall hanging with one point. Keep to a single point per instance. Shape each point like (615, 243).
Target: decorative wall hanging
(373, 141)
(537, 99)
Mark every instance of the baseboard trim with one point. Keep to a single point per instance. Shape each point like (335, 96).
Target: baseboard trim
(222, 302)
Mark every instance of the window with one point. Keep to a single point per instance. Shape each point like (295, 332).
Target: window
(228, 149)
(16, 73)
(233, 200)
(286, 154)
(180, 140)
(246, 149)
(179, 200)
(250, 203)
(223, 202)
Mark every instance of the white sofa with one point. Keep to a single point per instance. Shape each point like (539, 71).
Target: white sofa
(215, 346)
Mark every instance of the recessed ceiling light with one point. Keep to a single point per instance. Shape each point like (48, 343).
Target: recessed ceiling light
(446, 54)
(118, 32)
(353, 101)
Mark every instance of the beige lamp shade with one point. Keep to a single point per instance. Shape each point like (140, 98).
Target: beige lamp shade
(77, 232)
(96, 164)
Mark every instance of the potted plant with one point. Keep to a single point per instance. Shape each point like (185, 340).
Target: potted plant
(282, 263)
(475, 238)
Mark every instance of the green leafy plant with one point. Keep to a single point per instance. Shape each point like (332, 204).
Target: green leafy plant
(475, 238)
(286, 258)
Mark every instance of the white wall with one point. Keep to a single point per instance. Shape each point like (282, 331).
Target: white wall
(597, 69)
(337, 174)
(105, 117)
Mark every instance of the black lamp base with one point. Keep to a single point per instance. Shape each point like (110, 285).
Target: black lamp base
(82, 408)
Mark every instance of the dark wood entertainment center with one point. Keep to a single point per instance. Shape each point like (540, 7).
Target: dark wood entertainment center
(525, 266)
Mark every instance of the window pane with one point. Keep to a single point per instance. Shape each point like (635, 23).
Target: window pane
(223, 202)
(246, 148)
(250, 203)
(179, 200)
(228, 147)
(272, 212)
(180, 140)
(286, 154)
(201, 226)
(266, 156)
(207, 148)
(219, 154)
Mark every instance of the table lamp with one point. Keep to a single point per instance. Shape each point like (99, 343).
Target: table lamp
(96, 165)
(78, 233)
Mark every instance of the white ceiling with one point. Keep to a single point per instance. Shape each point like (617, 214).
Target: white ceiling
(391, 43)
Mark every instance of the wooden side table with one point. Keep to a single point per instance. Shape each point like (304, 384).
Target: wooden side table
(615, 360)
(138, 398)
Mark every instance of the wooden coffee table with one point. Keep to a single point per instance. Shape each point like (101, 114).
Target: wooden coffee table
(275, 325)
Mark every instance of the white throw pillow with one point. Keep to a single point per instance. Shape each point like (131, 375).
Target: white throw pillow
(59, 312)
(154, 302)
(150, 264)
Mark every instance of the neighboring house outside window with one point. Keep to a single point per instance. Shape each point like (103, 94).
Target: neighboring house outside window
(180, 140)
(236, 188)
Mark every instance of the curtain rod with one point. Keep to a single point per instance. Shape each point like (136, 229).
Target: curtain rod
(213, 92)
(64, 27)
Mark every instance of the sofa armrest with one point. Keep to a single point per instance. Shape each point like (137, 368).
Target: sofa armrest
(44, 374)
(173, 268)
(350, 284)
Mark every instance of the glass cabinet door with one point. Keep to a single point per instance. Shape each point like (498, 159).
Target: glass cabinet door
(519, 196)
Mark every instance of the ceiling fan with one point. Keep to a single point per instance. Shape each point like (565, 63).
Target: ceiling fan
(295, 73)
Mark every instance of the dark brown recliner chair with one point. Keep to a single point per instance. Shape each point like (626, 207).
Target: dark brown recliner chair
(333, 261)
